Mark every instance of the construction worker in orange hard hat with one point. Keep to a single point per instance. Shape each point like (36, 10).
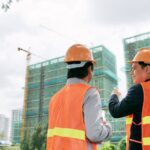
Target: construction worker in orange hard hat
(136, 104)
(75, 112)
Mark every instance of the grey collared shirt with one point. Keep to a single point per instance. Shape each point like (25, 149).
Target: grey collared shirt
(96, 130)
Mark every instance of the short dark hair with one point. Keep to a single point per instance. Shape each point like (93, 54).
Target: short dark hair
(142, 64)
(79, 72)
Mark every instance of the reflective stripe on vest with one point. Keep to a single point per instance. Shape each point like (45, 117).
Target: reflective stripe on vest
(128, 126)
(65, 132)
(146, 141)
(128, 120)
(146, 120)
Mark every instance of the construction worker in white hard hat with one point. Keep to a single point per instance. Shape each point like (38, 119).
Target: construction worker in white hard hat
(75, 118)
(136, 104)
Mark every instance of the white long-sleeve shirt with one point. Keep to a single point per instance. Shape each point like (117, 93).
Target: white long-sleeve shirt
(96, 130)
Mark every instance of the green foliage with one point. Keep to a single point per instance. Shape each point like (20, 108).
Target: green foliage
(108, 146)
(37, 140)
(5, 6)
(122, 144)
(25, 142)
(9, 148)
(3, 148)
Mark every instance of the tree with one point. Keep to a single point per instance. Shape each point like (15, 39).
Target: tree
(108, 146)
(38, 140)
(25, 142)
(5, 6)
(44, 137)
(122, 144)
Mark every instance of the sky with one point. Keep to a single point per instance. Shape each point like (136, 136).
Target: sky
(48, 27)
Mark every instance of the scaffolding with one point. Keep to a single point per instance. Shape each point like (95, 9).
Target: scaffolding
(47, 77)
(131, 47)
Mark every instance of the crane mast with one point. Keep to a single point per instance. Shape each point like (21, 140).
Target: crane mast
(28, 58)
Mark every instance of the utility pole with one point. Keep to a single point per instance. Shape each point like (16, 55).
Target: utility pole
(28, 58)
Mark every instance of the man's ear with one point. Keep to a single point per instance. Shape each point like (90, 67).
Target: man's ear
(89, 69)
(148, 69)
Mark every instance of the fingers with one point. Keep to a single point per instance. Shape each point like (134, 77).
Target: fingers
(116, 91)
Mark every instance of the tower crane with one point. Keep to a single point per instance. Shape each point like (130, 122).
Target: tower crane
(28, 58)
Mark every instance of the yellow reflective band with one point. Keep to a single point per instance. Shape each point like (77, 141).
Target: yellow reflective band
(146, 141)
(65, 132)
(146, 120)
(126, 138)
(128, 120)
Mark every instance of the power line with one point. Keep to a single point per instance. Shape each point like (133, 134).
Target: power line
(58, 33)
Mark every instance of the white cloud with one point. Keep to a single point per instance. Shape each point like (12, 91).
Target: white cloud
(119, 12)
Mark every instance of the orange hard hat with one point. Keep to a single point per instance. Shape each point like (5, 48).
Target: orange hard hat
(79, 52)
(143, 55)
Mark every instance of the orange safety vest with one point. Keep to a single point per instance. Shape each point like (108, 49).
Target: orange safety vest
(66, 128)
(145, 120)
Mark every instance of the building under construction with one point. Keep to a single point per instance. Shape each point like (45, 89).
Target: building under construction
(46, 78)
(131, 46)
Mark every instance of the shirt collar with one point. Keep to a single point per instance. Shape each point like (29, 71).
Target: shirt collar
(75, 81)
